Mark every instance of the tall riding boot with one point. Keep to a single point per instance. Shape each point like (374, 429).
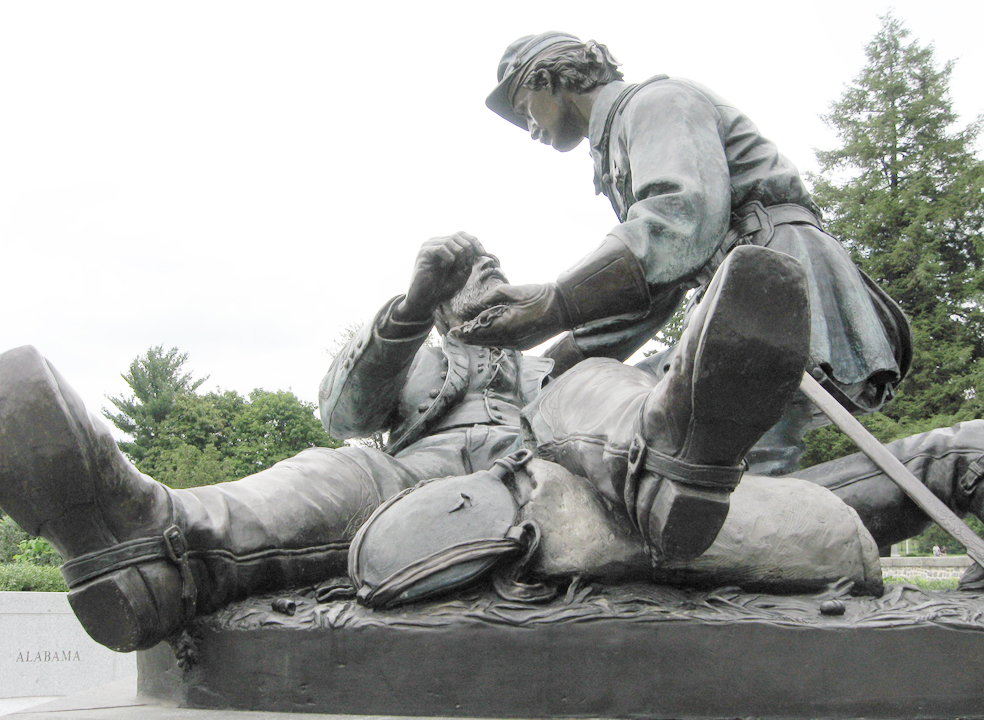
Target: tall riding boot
(62, 477)
(143, 559)
(948, 461)
(738, 364)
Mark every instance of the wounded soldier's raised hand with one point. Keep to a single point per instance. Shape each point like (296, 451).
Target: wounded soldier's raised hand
(440, 270)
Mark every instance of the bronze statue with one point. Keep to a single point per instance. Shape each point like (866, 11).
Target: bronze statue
(690, 178)
(144, 559)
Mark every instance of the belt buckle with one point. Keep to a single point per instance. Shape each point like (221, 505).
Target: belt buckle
(765, 223)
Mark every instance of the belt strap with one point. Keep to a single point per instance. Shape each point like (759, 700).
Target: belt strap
(754, 217)
(711, 477)
(171, 545)
(973, 475)
(751, 224)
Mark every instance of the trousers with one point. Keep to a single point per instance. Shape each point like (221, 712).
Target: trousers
(291, 524)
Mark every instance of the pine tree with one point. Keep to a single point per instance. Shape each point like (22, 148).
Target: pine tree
(156, 381)
(904, 191)
(184, 439)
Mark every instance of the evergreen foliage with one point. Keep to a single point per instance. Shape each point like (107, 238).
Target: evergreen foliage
(904, 192)
(30, 578)
(156, 381)
(184, 439)
(37, 551)
(11, 536)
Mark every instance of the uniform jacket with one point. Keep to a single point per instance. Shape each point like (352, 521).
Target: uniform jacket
(401, 386)
(677, 162)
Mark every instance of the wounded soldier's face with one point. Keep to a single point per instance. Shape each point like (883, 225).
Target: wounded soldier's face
(485, 275)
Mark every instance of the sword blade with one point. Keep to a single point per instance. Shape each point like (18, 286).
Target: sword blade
(893, 467)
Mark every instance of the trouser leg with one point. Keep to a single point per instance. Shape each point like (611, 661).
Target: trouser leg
(291, 524)
(779, 450)
(286, 526)
(948, 461)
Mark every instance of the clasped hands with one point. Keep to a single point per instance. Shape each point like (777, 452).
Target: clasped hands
(515, 316)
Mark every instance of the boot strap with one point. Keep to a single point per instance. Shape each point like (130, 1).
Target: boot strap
(973, 475)
(709, 477)
(171, 545)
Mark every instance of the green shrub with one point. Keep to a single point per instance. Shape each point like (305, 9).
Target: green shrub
(924, 583)
(28, 577)
(37, 551)
(10, 538)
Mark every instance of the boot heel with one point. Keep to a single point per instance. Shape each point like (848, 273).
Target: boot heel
(120, 611)
(683, 521)
(679, 506)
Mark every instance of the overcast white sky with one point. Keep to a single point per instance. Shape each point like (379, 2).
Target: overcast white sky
(243, 179)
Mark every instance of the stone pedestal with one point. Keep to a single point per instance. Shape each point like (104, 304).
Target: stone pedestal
(617, 652)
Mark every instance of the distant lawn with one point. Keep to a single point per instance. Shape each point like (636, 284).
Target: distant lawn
(924, 583)
(31, 578)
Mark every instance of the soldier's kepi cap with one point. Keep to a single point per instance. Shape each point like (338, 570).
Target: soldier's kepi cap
(515, 62)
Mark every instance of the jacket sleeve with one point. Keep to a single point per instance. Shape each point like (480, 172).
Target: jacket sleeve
(361, 391)
(676, 179)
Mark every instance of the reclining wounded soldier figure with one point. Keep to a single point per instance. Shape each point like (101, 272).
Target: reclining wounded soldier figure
(144, 559)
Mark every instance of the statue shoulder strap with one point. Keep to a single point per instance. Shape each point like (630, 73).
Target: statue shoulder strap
(614, 111)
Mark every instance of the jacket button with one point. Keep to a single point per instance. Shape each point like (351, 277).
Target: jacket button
(423, 407)
(435, 392)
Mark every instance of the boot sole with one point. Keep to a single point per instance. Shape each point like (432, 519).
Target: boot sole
(756, 338)
(763, 321)
(118, 611)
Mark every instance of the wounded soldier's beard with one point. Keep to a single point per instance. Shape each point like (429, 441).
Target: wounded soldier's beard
(467, 303)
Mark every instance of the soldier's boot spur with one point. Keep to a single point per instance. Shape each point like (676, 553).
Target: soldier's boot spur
(738, 363)
(62, 477)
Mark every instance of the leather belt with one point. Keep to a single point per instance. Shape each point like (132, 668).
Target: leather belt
(755, 217)
(751, 224)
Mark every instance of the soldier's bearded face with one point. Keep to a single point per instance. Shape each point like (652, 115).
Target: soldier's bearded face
(485, 275)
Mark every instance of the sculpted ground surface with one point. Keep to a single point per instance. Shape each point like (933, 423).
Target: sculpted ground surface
(902, 605)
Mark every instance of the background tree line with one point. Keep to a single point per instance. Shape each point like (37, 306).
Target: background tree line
(905, 192)
(184, 439)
